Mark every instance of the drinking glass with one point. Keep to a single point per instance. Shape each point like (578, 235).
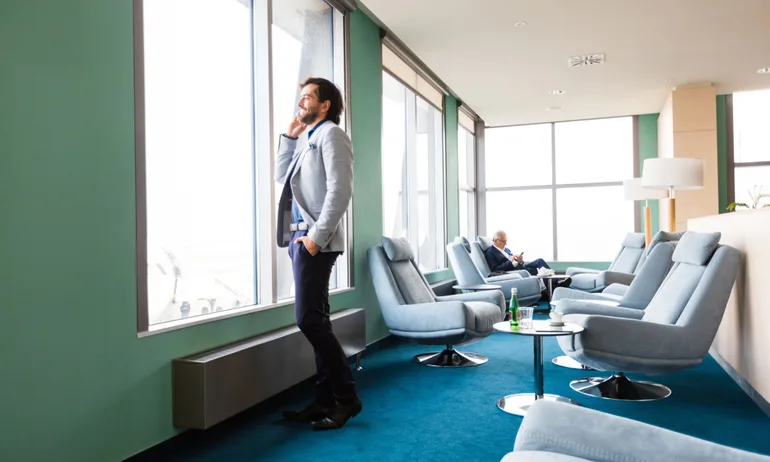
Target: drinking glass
(525, 320)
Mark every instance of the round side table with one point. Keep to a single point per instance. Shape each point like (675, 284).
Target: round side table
(518, 403)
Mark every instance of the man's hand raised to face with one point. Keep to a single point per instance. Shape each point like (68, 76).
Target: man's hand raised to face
(296, 127)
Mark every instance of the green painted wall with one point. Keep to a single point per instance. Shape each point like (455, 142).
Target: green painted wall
(84, 387)
(648, 148)
(722, 152)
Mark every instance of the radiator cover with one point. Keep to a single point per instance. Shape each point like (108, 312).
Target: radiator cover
(211, 386)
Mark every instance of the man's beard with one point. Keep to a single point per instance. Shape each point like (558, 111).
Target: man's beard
(308, 116)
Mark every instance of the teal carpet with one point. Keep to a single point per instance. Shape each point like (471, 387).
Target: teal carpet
(416, 413)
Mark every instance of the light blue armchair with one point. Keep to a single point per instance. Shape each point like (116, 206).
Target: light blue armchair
(638, 295)
(630, 305)
(675, 331)
(466, 273)
(559, 432)
(411, 309)
(622, 269)
(660, 237)
(477, 249)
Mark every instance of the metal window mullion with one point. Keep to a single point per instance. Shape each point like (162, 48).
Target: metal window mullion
(433, 191)
(342, 70)
(759, 163)
(267, 284)
(553, 194)
(437, 229)
(555, 186)
(481, 192)
(142, 305)
(637, 205)
(470, 160)
(411, 193)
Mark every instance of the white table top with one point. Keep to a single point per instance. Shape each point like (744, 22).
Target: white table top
(542, 328)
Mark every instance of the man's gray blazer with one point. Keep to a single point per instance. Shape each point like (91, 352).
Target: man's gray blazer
(321, 183)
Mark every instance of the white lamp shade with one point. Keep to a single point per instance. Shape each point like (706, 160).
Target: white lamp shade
(633, 191)
(680, 173)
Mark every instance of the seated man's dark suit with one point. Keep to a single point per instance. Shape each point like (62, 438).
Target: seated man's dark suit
(498, 262)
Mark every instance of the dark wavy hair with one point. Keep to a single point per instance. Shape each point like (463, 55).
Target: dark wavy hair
(327, 91)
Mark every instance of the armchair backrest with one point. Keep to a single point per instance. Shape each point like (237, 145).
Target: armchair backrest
(664, 236)
(650, 277)
(397, 279)
(465, 270)
(659, 238)
(629, 258)
(696, 290)
(479, 259)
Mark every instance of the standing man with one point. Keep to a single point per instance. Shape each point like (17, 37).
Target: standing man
(318, 185)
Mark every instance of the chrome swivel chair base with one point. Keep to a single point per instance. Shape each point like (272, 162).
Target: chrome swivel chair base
(450, 358)
(620, 388)
(566, 361)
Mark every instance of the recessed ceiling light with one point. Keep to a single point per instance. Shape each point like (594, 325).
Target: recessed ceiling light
(521, 24)
(554, 108)
(558, 92)
(764, 70)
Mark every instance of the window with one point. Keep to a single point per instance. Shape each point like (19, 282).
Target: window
(518, 156)
(208, 244)
(546, 192)
(525, 215)
(751, 146)
(303, 45)
(466, 149)
(413, 172)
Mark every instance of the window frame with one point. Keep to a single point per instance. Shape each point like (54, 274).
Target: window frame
(554, 186)
(472, 190)
(410, 135)
(731, 163)
(264, 154)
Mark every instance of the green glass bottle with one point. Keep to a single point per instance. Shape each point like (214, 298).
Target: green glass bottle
(513, 308)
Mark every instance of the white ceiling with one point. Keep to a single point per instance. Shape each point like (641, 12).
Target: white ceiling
(506, 73)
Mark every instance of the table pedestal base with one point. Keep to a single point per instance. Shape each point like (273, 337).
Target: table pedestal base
(566, 361)
(519, 403)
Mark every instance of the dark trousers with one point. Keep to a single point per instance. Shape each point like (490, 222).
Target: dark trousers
(311, 310)
(532, 266)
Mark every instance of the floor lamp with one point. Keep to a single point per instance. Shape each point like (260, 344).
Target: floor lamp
(670, 174)
(633, 191)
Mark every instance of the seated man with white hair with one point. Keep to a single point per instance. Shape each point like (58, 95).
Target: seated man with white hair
(500, 258)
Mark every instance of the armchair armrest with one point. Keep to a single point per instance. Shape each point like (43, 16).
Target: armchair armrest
(550, 427)
(636, 338)
(525, 286)
(569, 306)
(522, 273)
(504, 277)
(494, 297)
(574, 294)
(425, 317)
(577, 270)
(616, 289)
(606, 278)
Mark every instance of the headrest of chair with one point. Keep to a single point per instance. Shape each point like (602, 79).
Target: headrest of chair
(397, 248)
(634, 240)
(464, 242)
(664, 236)
(696, 248)
(484, 242)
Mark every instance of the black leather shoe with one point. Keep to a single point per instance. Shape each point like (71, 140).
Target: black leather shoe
(314, 411)
(565, 283)
(338, 416)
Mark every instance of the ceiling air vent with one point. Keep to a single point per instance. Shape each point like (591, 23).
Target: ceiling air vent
(587, 60)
